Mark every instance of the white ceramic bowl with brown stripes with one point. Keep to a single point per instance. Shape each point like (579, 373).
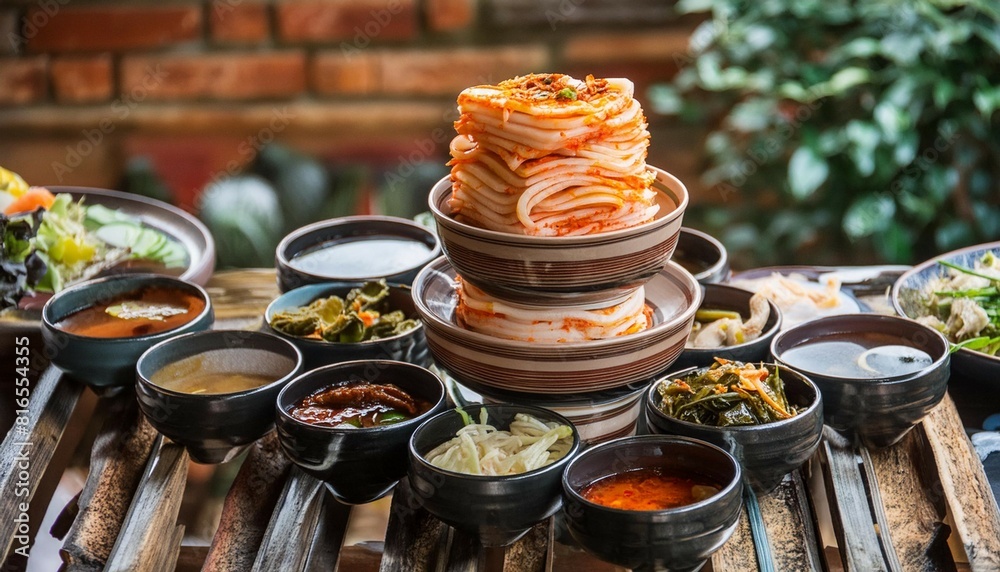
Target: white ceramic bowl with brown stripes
(598, 417)
(557, 368)
(562, 270)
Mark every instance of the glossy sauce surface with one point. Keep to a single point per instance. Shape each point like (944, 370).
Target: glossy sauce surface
(222, 371)
(138, 313)
(358, 404)
(361, 258)
(648, 489)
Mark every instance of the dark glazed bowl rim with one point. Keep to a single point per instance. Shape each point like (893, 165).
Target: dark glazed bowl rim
(735, 482)
(146, 381)
(680, 202)
(283, 257)
(938, 362)
(764, 335)
(716, 266)
(653, 400)
(140, 280)
(321, 287)
(538, 412)
(307, 375)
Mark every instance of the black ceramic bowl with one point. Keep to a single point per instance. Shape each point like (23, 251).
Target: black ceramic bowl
(721, 297)
(702, 255)
(216, 427)
(675, 539)
(410, 346)
(110, 362)
(496, 509)
(357, 465)
(876, 412)
(766, 452)
(381, 263)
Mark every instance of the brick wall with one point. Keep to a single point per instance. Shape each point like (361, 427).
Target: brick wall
(199, 85)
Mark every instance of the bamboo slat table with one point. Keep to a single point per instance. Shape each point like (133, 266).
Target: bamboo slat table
(924, 504)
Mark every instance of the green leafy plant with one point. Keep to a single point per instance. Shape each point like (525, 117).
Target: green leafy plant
(845, 132)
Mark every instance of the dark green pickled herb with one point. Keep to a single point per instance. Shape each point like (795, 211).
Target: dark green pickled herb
(363, 315)
(726, 394)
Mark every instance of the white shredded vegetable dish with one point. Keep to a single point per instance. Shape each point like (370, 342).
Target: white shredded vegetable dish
(482, 449)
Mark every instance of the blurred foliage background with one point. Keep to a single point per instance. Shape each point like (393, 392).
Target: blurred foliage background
(842, 131)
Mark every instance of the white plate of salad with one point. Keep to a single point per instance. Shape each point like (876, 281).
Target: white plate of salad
(57, 236)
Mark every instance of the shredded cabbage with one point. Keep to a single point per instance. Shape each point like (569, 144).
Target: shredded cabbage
(482, 449)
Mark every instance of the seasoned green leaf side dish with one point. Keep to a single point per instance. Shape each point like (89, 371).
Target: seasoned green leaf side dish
(727, 394)
(964, 305)
(363, 315)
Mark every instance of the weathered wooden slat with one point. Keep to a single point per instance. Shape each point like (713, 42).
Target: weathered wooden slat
(913, 520)
(248, 507)
(285, 546)
(853, 521)
(27, 450)
(789, 522)
(413, 537)
(533, 551)
(737, 554)
(465, 553)
(964, 486)
(331, 529)
(150, 538)
(117, 462)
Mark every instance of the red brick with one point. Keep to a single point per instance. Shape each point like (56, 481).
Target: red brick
(362, 21)
(237, 22)
(102, 28)
(354, 73)
(447, 72)
(22, 80)
(83, 78)
(216, 76)
(633, 46)
(449, 15)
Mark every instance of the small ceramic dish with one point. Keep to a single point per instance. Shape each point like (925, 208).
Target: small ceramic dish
(877, 410)
(766, 452)
(562, 270)
(681, 538)
(557, 368)
(358, 465)
(702, 255)
(910, 291)
(409, 346)
(108, 362)
(721, 297)
(355, 249)
(214, 427)
(496, 509)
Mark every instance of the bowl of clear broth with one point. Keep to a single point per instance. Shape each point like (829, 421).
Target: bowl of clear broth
(214, 391)
(879, 375)
(95, 331)
(348, 424)
(653, 502)
(355, 249)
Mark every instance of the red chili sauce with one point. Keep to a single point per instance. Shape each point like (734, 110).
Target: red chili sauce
(648, 489)
(359, 404)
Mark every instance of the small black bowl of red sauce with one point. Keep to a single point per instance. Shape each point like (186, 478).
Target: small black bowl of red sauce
(348, 424)
(653, 502)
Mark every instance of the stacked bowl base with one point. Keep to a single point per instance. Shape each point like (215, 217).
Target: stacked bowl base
(597, 383)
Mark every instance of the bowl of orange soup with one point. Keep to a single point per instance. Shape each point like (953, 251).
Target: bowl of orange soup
(95, 331)
(653, 502)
